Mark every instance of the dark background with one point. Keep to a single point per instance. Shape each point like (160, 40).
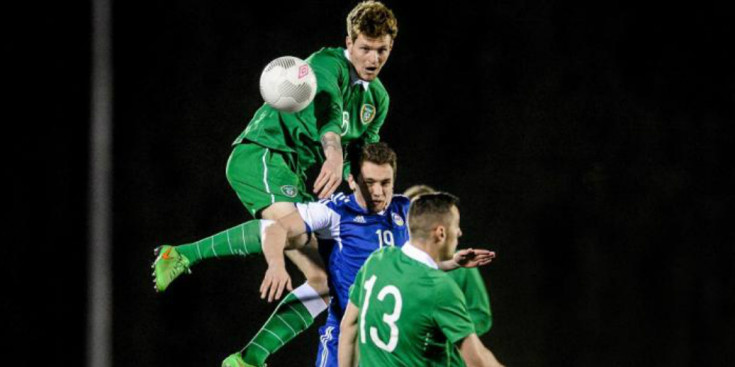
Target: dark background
(588, 142)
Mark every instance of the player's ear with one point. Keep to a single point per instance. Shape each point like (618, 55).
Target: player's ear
(440, 233)
(348, 41)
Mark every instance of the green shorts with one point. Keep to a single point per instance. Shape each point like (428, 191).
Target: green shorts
(262, 176)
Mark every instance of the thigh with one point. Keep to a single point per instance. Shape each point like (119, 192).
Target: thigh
(262, 177)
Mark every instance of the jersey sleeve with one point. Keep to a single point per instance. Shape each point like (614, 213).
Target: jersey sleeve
(371, 135)
(478, 301)
(356, 287)
(328, 99)
(318, 217)
(451, 313)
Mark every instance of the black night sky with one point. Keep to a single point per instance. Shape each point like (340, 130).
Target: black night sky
(587, 141)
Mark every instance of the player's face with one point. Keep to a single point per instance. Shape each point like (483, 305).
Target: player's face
(453, 235)
(368, 55)
(374, 187)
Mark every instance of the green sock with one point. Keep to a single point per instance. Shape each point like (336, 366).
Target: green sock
(294, 314)
(241, 240)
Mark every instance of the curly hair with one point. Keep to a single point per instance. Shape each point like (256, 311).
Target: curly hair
(373, 19)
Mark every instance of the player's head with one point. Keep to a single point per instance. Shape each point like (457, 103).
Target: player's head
(414, 191)
(434, 218)
(371, 30)
(373, 175)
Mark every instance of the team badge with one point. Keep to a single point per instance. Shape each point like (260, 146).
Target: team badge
(367, 113)
(397, 220)
(289, 191)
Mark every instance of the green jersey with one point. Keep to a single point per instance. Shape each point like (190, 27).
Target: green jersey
(343, 104)
(470, 282)
(408, 310)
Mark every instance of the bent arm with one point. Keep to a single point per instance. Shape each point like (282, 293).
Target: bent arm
(276, 235)
(331, 174)
(475, 354)
(347, 336)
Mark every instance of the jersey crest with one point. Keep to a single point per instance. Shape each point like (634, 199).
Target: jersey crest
(398, 220)
(289, 190)
(367, 113)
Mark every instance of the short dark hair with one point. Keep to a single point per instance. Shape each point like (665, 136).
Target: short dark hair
(428, 210)
(379, 153)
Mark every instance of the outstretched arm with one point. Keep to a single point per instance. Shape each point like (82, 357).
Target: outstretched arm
(277, 239)
(468, 258)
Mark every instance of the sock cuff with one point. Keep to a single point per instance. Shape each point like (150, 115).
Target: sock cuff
(311, 299)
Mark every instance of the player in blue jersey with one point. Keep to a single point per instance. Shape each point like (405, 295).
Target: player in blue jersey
(349, 229)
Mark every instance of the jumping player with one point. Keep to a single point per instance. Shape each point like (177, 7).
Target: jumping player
(349, 229)
(268, 165)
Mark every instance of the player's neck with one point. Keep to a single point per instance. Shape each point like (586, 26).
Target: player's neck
(360, 201)
(429, 248)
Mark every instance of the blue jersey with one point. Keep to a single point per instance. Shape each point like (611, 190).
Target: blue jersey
(348, 234)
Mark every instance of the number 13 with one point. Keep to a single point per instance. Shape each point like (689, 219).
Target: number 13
(388, 319)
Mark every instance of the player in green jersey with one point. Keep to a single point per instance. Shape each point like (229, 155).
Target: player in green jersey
(401, 306)
(270, 159)
(268, 165)
(470, 283)
(469, 280)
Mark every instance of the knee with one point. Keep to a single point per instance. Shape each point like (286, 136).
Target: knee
(317, 279)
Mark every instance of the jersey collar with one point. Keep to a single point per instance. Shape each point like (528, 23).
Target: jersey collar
(354, 78)
(419, 255)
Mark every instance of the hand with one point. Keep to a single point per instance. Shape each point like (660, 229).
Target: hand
(329, 178)
(275, 280)
(471, 258)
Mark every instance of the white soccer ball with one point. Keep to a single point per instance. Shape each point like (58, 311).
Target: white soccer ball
(288, 84)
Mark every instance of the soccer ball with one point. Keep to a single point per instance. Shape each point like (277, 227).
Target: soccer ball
(288, 84)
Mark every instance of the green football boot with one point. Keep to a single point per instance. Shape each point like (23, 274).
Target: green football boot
(169, 264)
(235, 360)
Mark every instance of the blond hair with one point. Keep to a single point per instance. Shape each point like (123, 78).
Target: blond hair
(414, 191)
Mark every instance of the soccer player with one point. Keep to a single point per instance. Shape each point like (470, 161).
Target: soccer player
(268, 165)
(470, 283)
(349, 229)
(402, 309)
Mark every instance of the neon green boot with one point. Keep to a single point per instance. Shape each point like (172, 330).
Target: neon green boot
(235, 360)
(169, 264)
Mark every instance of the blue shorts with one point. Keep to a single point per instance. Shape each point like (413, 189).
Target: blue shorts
(328, 340)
